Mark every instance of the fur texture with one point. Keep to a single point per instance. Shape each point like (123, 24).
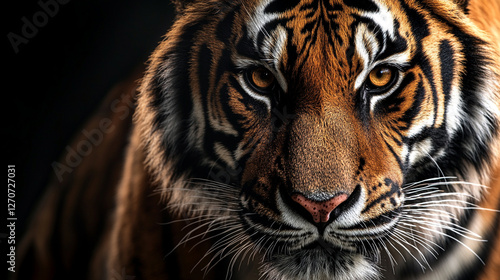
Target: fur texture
(285, 139)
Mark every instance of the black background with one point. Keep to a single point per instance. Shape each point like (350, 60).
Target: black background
(59, 76)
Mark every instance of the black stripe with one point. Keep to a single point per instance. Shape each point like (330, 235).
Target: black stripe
(204, 67)
(245, 46)
(420, 30)
(349, 53)
(472, 79)
(430, 75)
(179, 94)
(280, 6)
(410, 115)
(362, 107)
(363, 5)
(419, 25)
(395, 189)
(224, 29)
(396, 157)
(374, 223)
(446, 56)
(332, 26)
(399, 45)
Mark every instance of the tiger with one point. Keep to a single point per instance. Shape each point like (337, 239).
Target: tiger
(290, 139)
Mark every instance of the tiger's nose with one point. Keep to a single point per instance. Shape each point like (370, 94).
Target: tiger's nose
(320, 210)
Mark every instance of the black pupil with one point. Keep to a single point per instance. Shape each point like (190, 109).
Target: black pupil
(264, 75)
(262, 78)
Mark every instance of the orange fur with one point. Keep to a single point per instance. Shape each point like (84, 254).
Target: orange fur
(118, 195)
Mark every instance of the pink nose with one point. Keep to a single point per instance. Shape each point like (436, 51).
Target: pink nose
(320, 210)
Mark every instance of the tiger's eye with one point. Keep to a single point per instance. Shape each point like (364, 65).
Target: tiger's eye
(262, 78)
(381, 76)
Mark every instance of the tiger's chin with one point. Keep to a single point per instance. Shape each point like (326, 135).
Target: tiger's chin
(319, 264)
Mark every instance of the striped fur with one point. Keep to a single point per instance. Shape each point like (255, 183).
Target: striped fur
(215, 162)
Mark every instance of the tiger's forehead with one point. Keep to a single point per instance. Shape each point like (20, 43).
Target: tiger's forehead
(308, 15)
(327, 24)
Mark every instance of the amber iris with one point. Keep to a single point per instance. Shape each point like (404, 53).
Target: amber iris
(381, 76)
(262, 78)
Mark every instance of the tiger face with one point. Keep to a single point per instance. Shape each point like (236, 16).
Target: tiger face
(325, 139)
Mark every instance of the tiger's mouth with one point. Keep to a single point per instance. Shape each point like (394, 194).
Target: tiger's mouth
(323, 249)
(319, 249)
(322, 245)
(321, 260)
